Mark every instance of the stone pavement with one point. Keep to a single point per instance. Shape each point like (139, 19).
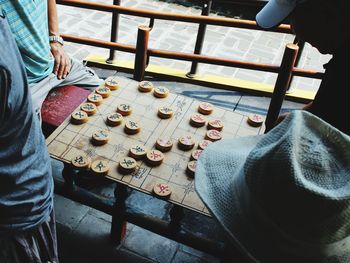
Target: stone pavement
(83, 232)
(224, 42)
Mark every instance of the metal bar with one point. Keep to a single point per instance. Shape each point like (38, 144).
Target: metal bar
(282, 83)
(114, 32)
(218, 21)
(141, 52)
(200, 37)
(151, 23)
(301, 45)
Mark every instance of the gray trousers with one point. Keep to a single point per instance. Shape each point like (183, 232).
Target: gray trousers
(79, 75)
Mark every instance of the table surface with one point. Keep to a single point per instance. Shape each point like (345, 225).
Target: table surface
(69, 139)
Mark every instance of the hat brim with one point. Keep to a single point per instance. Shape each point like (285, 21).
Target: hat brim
(216, 184)
(273, 14)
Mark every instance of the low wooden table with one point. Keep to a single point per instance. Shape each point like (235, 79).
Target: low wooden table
(69, 139)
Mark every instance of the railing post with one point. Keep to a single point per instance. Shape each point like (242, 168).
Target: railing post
(114, 32)
(200, 38)
(301, 45)
(281, 86)
(141, 52)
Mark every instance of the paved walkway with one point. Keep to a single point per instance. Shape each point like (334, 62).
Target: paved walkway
(224, 42)
(83, 232)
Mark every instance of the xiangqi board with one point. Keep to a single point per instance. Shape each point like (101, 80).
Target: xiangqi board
(70, 139)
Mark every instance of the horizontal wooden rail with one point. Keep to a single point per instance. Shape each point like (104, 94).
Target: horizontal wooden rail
(192, 57)
(99, 43)
(218, 21)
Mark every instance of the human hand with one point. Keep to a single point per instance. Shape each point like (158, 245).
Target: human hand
(281, 118)
(62, 60)
(284, 115)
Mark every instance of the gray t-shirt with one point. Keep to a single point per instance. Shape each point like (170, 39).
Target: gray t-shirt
(26, 183)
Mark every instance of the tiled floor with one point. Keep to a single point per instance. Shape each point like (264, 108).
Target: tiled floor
(83, 232)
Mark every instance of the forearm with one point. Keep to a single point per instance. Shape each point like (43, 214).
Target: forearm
(53, 18)
(307, 106)
(62, 60)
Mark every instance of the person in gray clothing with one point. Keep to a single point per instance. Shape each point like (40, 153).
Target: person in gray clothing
(27, 223)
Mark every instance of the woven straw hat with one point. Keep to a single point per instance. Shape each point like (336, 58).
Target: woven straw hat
(283, 196)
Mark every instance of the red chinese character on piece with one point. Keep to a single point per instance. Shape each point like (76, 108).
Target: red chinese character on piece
(215, 133)
(193, 165)
(216, 122)
(165, 142)
(162, 188)
(155, 155)
(256, 117)
(197, 153)
(205, 105)
(197, 117)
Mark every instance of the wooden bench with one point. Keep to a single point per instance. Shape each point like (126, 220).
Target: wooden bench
(59, 104)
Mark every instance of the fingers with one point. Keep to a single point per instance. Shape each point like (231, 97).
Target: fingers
(62, 61)
(63, 68)
(281, 118)
(57, 64)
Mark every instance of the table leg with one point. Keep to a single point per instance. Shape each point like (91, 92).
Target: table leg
(176, 215)
(68, 176)
(118, 228)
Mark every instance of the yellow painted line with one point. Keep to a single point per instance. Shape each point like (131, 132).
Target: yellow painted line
(206, 80)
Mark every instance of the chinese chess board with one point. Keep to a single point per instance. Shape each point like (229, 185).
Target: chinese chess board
(70, 139)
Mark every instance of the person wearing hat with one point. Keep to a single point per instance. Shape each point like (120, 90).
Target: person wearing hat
(325, 25)
(283, 196)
